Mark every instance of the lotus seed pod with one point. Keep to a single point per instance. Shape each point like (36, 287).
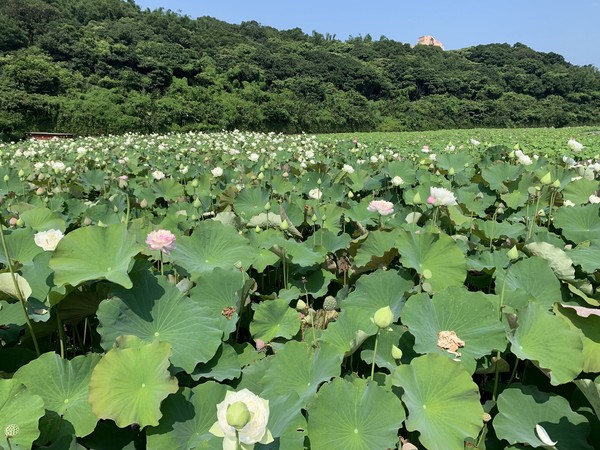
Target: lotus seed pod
(238, 415)
(396, 352)
(330, 303)
(383, 317)
(11, 430)
(513, 253)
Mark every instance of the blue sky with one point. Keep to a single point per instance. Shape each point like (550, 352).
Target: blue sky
(570, 28)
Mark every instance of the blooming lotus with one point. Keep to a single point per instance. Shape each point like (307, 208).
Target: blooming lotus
(441, 197)
(242, 415)
(158, 175)
(315, 193)
(382, 207)
(217, 172)
(397, 181)
(574, 145)
(162, 240)
(348, 168)
(475, 142)
(48, 240)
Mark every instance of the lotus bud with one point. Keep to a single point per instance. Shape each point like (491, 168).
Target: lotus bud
(556, 184)
(238, 415)
(319, 181)
(87, 221)
(284, 225)
(513, 253)
(417, 198)
(143, 203)
(396, 352)
(21, 173)
(6, 178)
(350, 194)
(267, 206)
(261, 176)
(314, 218)
(257, 229)
(511, 154)
(197, 203)
(195, 183)
(194, 217)
(300, 305)
(20, 222)
(546, 179)
(451, 171)
(383, 317)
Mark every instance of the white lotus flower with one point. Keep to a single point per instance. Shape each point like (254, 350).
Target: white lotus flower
(397, 181)
(574, 145)
(158, 175)
(382, 207)
(441, 197)
(542, 434)
(475, 142)
(48, 240)
(255, 428)
(348, 168)
(253, 157)
(594, 199)
(217, 172)
(315, 193)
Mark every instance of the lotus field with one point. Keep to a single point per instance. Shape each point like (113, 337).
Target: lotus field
(243, 290)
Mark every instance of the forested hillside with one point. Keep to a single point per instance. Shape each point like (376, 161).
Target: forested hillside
(107, 66)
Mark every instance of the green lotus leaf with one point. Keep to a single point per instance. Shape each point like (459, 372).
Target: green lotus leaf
(156, 310)
(500, 172)
(529, 280)
(261, 244)
(315, 283)
(442, 400)
(7, 285)
(168, 188)
(94, 253)
(211, 245)
(515, 199)
(403, 169)
(354, 416)
(42, 219)
(128, 384)
(472, 316)
(265, 220)
(437, 253)
(579, 191)
(495, 230)
(20, 407)
(187, 417)
(326, 241)
(374, 291)
(250, 202)
(347, 333)
(20, 245)
(386, 339)
(549, 342)
(591, 390)
(589, 328)
(273, 319)
(40, 276)
(225, 365)
(63, 385)
(300, 368)
(587, 255)
(300, 253)
(376, 245)
(477, 198)
(456, 162)
(218, 291)
(93, 179)
(579, 223)
(559, 261)
(521, 408)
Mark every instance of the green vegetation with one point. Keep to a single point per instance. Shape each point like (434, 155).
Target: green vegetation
(106, 66)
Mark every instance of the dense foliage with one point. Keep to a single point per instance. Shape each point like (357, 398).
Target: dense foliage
(186, 291)
(106, 66)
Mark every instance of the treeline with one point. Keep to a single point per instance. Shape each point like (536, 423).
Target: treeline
(107, 66)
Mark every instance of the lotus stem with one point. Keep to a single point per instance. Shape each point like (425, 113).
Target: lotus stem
(18, 290)
(61, 333)
(374, 355)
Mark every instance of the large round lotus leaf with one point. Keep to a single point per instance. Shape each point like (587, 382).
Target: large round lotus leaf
(42, 219)
(63, 385)
(455, 162)
(225, 365)
(529, 280)
(521, 408)
(156, 310)
(168, 188)
(587, 255)
(579, 191)
(354, 416)
(500, 172)
(377, 290)
(492, 230)
(386, 339)
(18, 406)
(578, 223)
(212, 245)
(549, 342)
(347, 333)
(187, 417)
(435, 255)
(273, 319)
(315, 283)
(95, 253)
(377, 244)
(559, 261)
(300, 253)
(589, 327)
(300, 368)
(403, 169)
(20, 245)
(477, 198)
(442, 400)
(472, 316)
(217, 292)
(128, 384)
(326, 241)
(251, 202)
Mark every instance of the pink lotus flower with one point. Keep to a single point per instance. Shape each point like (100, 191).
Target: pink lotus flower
(162, 240)
(382, 207)
(441, 196)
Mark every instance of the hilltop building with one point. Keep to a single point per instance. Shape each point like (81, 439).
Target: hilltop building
(430, 40)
